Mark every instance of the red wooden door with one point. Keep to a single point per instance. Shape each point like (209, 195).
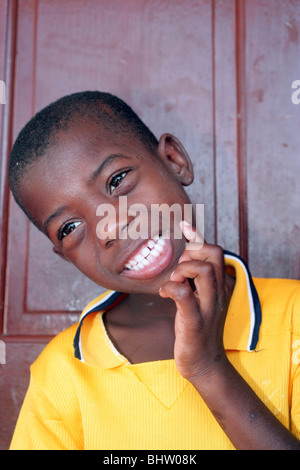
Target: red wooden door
(216, 74)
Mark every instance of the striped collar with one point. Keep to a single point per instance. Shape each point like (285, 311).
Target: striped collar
(93, 346)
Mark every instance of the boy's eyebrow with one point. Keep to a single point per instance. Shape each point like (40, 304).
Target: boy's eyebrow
(53, 216)
(101, 167)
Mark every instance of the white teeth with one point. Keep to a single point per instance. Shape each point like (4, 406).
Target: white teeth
(147, 254)
(133, 262)
(155, 252)
(145, 251)
(140, 265)
(159, 248)
(150, 257)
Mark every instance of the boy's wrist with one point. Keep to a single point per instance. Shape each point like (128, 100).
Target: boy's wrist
(210, 377)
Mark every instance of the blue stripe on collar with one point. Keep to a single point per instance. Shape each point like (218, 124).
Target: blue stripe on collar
(254, 299)
(104, 302)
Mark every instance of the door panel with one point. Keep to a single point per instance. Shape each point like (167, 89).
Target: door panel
(272, 51)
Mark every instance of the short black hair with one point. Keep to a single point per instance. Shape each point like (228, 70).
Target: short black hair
(107, 110)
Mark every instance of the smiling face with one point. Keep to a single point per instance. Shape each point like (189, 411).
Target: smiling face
(87, 167)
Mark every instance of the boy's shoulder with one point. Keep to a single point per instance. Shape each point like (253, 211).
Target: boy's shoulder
(63, 352)
(284, 283)
(278, 289)
(280, 300)
(57, 354)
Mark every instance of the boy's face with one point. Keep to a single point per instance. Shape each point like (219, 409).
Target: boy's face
(86, 168)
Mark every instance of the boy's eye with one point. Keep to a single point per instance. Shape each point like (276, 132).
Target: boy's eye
(66, 229)
(116, 180)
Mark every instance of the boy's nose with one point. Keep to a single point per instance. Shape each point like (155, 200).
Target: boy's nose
(112, 226)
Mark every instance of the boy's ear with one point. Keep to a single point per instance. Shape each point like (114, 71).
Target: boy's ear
(173, 153)
(59, 253)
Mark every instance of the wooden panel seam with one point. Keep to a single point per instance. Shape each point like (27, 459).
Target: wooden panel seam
(241, 127)
(6, 132)
(214, 119)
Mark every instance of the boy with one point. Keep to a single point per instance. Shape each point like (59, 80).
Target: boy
(184, 351)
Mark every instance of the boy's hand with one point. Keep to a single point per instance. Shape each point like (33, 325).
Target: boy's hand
(201, 309)
(199, 352)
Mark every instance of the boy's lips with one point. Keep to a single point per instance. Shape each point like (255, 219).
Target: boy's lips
(152, 257)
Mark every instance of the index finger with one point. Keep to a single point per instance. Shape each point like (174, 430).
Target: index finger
(195, 239)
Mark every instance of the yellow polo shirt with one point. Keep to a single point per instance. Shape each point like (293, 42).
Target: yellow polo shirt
(96, 399)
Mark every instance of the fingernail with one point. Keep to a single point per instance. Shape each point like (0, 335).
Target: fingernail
(188, 229)
(186, 224)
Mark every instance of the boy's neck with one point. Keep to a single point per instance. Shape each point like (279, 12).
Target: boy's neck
(150, 307)
(142, 327)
